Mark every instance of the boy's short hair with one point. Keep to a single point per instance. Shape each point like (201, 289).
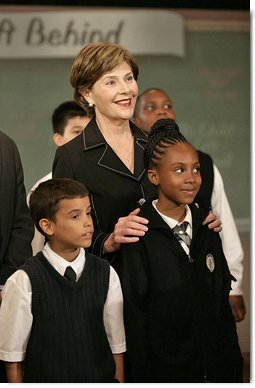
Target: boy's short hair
(65, 111)
(44, 200)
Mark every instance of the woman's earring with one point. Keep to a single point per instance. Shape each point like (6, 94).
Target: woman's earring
(91, 104)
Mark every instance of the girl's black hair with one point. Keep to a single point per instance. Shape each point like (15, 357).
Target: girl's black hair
(164, 133)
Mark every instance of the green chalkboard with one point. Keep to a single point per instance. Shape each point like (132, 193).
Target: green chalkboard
(210, 88)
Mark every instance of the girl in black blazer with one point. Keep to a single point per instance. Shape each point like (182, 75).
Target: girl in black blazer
(178, 321)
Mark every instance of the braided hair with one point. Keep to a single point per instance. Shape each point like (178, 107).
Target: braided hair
(164, 133)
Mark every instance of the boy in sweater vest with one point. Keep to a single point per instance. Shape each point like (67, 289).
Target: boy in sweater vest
(61, 316)
(175, 280)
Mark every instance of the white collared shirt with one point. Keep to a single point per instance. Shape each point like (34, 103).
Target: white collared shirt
(171, 222)
(16, 317)
(231, 242)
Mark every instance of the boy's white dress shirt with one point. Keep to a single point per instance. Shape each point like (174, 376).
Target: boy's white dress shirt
(16, 317)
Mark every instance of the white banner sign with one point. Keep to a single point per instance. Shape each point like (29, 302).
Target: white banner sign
(63, 34)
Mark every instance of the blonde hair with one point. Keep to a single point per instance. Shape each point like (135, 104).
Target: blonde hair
(92, 62)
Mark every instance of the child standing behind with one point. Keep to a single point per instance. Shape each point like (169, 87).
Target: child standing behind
(178, 321)
(61, 314)
(68, 121)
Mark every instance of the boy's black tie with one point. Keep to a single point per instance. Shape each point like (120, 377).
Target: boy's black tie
(70, 274)
(180, 231)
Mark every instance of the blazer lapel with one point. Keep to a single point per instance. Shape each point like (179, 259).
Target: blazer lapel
(107, 158)
(112, 162)
(140, 143)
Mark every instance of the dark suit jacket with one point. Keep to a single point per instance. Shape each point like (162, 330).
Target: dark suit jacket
(16, 227)
(114, 190)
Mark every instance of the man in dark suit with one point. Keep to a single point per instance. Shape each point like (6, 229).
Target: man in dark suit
(16, 227)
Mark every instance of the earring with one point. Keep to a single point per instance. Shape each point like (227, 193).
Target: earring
(91, 104)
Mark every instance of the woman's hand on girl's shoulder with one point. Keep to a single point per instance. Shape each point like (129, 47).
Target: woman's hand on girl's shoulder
(127, 230)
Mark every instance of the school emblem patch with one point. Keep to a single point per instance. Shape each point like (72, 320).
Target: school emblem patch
(210, 262)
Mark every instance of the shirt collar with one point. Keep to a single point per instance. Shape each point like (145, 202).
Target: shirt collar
(60, 264)
(171, 222)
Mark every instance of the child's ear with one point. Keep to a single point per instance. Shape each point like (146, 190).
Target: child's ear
(46, 226)
(58, 139)
(153, 177)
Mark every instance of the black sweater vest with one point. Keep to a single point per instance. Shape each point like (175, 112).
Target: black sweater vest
(68, 342)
